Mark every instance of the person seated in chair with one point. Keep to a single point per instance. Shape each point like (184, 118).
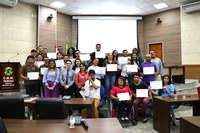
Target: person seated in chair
(168, 90)
(136, 85)
(123, 105)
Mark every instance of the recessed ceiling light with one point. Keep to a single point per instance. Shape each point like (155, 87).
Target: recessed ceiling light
(57, 4)
(161, 5)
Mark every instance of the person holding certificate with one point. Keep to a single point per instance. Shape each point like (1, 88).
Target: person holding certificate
(81, 78)
(168, 90)
(31, 86)
(51, 79)
(110, 75)
(141, 94)
(67, 78)
(148, 70)
(121, 98)
(93, 55)
(134, 69)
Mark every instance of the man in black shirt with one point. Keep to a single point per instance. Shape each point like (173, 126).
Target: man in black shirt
(138, 84)
(92, 55)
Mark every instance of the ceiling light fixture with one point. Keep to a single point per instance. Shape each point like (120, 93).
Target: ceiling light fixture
(57, 4)
(160, 6)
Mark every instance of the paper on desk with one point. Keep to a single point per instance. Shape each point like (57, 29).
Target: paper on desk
(30, 99)
(123, 96)
(141, 92)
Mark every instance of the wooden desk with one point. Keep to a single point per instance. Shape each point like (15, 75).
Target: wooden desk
(161, 108)
(190, 124)
(71, 103)
(104, 125)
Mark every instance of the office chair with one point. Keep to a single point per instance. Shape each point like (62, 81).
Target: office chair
(2, 126)
(12, 107)
(51, 108)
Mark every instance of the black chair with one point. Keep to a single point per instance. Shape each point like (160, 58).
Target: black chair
(2, 126)
(12, 107)
(51, 108)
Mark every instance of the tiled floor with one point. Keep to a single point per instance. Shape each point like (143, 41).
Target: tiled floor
(148, 126)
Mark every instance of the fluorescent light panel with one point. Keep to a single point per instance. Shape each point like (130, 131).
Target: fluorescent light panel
(57, 4)
(160, 6)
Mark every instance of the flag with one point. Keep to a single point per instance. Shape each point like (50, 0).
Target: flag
(75, 47)
(66, 45)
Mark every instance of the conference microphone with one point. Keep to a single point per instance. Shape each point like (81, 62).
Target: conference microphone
(13, 57)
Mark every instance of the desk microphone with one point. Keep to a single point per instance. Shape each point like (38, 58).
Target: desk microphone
(85, 125)
(13, 57)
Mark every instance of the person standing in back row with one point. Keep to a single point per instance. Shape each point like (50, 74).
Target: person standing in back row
(157, 61)
(93, 56)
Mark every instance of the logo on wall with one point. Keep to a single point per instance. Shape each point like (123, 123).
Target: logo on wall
(8, 71)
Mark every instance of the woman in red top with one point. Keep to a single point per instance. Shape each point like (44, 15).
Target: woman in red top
(124, 104)
(81, 78)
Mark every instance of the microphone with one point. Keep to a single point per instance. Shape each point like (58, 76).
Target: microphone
(85, 125)
(13, 57)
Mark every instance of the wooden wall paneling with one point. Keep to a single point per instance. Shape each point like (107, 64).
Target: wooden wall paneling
(192, 71)
(167, 32)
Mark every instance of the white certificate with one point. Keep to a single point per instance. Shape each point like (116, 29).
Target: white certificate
(100, 70)
(85, 57)
(123, 60)
(40, 63)
(59, 63)
(99, 55)
(141, 92)
(43, 70)
(33, 75)
(51, 55)
(132, 68)
(156, 84)
(123, 96)
(148, 70)
(111, 67)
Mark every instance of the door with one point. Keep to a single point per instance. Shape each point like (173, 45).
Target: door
(157, 47)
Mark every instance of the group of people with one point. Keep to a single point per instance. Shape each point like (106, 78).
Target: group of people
(81, 79)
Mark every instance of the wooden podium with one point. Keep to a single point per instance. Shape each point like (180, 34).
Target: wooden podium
(9, 76)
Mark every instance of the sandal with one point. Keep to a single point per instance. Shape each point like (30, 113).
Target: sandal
(122, 119)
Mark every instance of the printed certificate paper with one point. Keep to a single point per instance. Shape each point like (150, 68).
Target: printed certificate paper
(123, 96)
(156, 84)
(148, 70)
(141, 92)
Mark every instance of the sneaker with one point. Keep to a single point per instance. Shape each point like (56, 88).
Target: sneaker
(144, 119)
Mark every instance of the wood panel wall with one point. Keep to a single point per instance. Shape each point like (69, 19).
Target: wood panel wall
(64, 26)
(47, 30)
(192, 71)
(168, 32)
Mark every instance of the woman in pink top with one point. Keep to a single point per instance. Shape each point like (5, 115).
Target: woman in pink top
(81, 78)
(123, 105)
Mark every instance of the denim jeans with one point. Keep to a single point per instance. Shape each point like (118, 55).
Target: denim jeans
(109, 82)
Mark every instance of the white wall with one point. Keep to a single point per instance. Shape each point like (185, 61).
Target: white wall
(17, 31)
(190, 37)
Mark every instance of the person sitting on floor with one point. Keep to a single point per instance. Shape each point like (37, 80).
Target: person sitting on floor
(123, 105)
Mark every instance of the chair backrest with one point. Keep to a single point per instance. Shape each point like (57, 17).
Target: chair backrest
(51, 108)
(12, 107)
(2, 126)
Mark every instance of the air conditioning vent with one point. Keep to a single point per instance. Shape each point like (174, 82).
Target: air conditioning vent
(10, 3)
(192, 7)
